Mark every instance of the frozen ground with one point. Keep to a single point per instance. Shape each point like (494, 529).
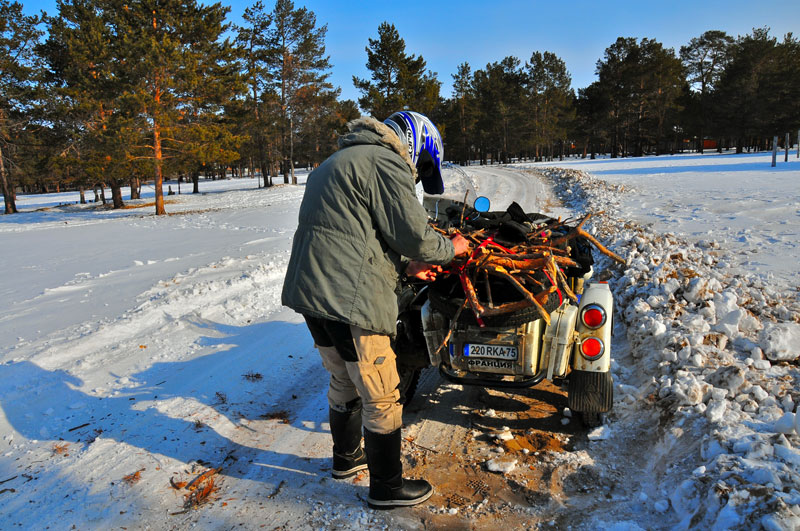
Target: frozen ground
(141, 350)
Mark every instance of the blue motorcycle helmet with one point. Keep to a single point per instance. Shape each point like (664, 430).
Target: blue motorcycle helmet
(424, 147)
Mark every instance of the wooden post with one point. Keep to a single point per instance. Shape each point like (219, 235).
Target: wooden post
(774, 149)
(786, 149)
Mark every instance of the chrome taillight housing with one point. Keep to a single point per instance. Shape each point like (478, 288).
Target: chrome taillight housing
(592, 348)
(593, 316)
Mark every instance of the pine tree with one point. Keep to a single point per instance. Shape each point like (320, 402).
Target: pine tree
(705, 58)
(83, 87)
(643, 82)
(255, 114)
(787, 83)
(178, 75)
(617, 73)
(591, 110)
(550, 96)
(317, 113)
(757, 94)
(19, 35)
(297, 64)
(662, 83)
(499, 97)
(464, 100)
(397, 81)
(737, 100)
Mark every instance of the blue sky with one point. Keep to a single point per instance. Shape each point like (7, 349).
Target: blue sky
(448, 33)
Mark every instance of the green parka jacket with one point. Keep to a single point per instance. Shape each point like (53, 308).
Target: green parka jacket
(359, 218)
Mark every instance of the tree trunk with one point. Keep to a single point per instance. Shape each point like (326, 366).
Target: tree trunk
(291, 149)
(258, 137)
(252, 171)
(8, 192)
(195, 182)
(134, 184)
(625, 144)
(103, 192)
(116, 195)
(786, 148)
(774, 150)
(265, 173)
(83, 196)
(158, 176)
(700, 140)
(614, 143)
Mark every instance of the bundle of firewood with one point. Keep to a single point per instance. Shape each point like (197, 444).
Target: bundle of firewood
(533, 265)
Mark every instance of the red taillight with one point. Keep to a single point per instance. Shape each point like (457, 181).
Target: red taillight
(593, 316)
(592, 348)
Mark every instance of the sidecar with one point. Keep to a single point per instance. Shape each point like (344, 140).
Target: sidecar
(513, 349)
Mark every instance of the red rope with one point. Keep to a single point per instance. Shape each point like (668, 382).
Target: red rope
(560, 297)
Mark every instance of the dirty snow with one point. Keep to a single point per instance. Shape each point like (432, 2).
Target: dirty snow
(158, 346)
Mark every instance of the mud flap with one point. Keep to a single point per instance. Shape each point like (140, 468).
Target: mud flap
(591, 392)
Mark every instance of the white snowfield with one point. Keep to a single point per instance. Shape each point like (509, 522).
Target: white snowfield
(151, 348)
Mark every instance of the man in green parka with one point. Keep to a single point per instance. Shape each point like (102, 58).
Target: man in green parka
(360, 228)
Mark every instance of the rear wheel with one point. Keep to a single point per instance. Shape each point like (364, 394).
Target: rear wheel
(409, 379)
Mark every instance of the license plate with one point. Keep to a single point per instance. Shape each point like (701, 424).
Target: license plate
(501, 352)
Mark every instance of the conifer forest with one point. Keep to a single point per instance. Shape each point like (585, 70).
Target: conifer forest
(111, 94)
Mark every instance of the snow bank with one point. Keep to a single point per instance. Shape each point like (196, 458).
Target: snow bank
(712, 347)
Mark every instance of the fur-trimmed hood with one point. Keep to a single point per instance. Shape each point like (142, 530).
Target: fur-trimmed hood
(385, 136)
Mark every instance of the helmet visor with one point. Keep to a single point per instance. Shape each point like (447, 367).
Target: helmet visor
(429, 174)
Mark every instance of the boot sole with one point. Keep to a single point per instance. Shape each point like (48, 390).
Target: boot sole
(390, 504)
(344, 474)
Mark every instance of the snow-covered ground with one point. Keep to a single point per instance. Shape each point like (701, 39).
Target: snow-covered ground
(736, 199)
(140, 350)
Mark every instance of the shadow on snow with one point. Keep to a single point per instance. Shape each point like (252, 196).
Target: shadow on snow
(43, 404)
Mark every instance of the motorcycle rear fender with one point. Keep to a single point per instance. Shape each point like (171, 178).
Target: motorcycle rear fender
(600, 294)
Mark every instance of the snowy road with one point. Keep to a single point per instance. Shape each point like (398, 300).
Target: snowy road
(503, 185)
(140, 351)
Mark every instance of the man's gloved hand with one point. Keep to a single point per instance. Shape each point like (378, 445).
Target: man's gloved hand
(461, 244)
(423, 271)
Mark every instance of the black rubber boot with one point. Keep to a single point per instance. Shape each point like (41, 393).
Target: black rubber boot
(348, 456)
(387, 488)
